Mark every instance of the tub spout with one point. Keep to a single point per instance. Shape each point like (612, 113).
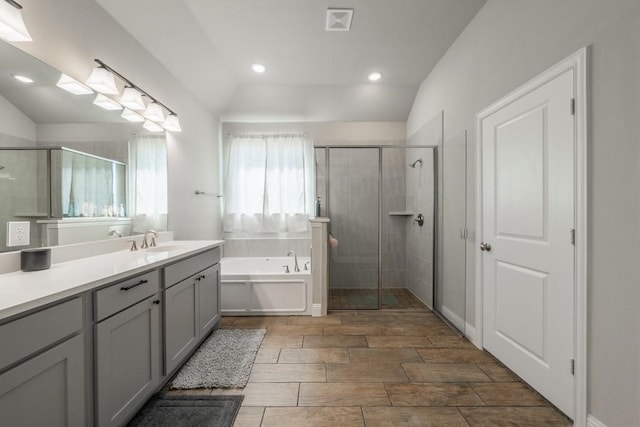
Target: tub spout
(295, 261)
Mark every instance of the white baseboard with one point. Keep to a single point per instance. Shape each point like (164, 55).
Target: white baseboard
(470, 333)
(594, 422)
(316, 310)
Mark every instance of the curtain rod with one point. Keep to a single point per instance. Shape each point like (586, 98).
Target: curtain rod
(267, 135)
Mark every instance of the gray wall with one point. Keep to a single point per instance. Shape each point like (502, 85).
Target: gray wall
(508, 43)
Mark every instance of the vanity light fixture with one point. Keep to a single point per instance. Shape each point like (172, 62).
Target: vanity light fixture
(23, 79)
(153, 112)
(106, 103)
(101, 80)
(132, 116)
(72, 85)
(152, 127)
(258, 68)
(375, 76)
(12, 26)
(172, 123)
(132, 98)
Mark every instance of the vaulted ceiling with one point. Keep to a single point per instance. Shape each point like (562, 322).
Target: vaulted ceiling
(312, 74)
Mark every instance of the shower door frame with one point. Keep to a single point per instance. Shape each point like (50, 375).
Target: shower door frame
(436, 184)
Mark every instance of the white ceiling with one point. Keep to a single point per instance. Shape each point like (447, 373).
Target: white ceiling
(312, 74)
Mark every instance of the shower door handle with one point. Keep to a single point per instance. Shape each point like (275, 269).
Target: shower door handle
(485, 246)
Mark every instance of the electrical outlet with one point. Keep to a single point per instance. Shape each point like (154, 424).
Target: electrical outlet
(18, 233)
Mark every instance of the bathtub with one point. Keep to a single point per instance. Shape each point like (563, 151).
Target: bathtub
(252, 286)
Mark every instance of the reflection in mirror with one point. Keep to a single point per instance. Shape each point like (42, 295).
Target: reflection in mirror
(41, 115)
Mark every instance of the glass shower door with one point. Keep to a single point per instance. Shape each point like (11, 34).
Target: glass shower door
(450, 294)
(354, 207)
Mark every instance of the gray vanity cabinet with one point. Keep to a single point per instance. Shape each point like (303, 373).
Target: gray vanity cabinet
(181, 326)
(127, 348)
(209, 299)
(42, 365)
(192, 305)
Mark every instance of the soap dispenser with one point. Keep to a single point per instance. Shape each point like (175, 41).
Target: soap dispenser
(318, 205)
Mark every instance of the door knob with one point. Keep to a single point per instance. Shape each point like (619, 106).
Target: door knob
(485, 246)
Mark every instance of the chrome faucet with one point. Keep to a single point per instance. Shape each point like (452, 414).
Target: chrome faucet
(295, 259)
(145, 245)
(113, 233)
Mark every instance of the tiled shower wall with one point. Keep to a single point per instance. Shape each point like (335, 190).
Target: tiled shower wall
(353, 206)
(394, 236)
(420, 199)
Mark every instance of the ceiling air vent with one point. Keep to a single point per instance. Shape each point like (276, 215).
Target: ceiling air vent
(339, 19)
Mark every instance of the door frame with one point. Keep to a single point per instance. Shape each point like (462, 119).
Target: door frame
(578, 63)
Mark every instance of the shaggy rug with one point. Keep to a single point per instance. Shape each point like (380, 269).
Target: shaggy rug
(224, 360)
(188, 411)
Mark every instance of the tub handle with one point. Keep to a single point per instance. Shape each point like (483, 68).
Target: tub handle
(286, 269)
(306, 265)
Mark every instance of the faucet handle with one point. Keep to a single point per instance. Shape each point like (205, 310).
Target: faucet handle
(306, 265)
(133, 245)
(153, 241)
(286, 269)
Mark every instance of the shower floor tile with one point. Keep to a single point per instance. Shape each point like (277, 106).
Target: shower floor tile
(367, 299)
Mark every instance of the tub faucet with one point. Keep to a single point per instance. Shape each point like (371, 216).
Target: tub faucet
(295, 261)
(113, 233)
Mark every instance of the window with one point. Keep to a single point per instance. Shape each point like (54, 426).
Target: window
(268, 184)
(148, 183)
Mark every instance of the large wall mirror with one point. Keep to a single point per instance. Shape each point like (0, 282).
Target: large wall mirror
(34, 118)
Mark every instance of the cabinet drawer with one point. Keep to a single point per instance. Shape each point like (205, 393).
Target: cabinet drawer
(126, 293)
(36, 331)
(174, 273)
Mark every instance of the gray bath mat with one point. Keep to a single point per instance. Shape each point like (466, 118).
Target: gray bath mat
(192, 411)
(223, 361)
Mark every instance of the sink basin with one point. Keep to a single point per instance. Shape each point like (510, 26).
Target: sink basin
(165, 248)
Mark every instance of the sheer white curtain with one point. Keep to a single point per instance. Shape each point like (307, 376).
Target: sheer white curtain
(268, 184)
(148, 182)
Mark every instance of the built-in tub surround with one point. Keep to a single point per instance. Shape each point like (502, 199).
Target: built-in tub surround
(253, 286)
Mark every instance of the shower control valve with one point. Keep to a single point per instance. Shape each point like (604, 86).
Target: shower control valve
(419, 220)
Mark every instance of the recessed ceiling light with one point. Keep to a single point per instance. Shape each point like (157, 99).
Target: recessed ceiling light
(23, 79)
(375, 76)
(259, 68)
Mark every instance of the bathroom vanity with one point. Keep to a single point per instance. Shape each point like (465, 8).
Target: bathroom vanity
(89, 341)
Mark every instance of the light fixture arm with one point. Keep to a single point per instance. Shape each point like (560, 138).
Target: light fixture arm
(14, 4)
(130, 83)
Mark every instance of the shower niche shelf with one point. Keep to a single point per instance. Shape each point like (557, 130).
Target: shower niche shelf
(401, 213)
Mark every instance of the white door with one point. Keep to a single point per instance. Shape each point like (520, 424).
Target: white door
(527, 223)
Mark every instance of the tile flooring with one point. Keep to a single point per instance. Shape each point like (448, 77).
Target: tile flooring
(367, 299)
(379, 368)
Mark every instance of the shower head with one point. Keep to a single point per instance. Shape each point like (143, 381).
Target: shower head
(413, 165)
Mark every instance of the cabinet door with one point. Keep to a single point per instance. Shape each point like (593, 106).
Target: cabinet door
(208, 299)
(181, 330)
(127, 361)
(46, 390)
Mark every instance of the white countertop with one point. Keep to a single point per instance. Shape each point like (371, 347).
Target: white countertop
(21, 291)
